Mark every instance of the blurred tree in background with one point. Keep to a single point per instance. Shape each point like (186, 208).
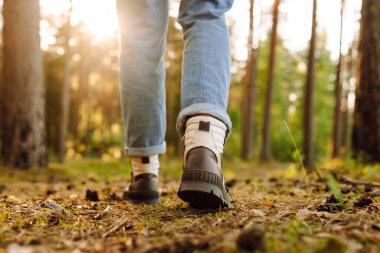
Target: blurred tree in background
(266, 152)
(249, 91)
(366, 132)
(22, 103)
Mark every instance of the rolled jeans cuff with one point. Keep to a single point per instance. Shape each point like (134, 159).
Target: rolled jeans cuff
(146, 151)
(202, 108)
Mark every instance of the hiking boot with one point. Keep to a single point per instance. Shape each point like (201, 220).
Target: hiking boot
(143, 189)
(202, 184)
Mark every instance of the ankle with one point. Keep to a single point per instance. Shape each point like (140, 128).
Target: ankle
(144, 165)
(205, 131)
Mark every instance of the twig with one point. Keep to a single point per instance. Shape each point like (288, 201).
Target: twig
(375, 194)
(50, 204)
(102, 213)
(116, 227)
(87, 212)
(358, 182)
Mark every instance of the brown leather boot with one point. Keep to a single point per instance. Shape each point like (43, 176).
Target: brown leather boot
(202, 184)
(143, 189)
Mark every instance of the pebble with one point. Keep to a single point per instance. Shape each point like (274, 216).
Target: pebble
(252, 237)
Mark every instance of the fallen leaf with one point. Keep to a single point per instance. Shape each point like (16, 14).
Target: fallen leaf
(266, 203)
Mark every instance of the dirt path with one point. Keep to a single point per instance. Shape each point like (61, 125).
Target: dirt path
(275, 211)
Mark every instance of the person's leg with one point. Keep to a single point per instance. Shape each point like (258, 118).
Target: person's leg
(207, 60)
(203, 121)
(143, 26)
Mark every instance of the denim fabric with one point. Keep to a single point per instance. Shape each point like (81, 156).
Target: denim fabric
(205, 75)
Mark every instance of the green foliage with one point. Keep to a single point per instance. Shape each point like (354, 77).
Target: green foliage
(291, 236)
(233, 143)
(331, 245)
(335, 189)
(290, 75)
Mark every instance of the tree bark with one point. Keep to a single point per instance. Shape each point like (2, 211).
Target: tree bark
(308, 135)
(23, 115)
(65, 93)
(248, 96)
(366, 129)
(346, 117)
(173, 97)
(78, 110)
(266, 148)
(337, 124)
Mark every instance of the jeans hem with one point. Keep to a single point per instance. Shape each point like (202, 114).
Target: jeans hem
(146, 151)
(202, 108)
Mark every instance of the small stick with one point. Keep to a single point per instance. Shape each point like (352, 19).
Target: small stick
(116, 227)
(102, 213)
(357, 182)
(375, 194)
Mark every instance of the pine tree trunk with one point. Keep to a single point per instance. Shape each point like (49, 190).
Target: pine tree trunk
(23, 116)
(248, 96)
(346, 116)
(173, 97)
(308, 104)
(366, 130)
(337, 124)
(344, 133)
(65, 94)
(79, 112)
(266, 148)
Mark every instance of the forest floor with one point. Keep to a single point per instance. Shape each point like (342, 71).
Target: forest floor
(77, 208)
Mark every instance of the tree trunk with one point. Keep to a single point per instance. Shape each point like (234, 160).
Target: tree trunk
(337, 124)
(346, 117)
(23, 115)
(78, 111)
(249, 88)
(266, 148)
(65, 94)
(366, 130)
(173, 97)
(308, 135)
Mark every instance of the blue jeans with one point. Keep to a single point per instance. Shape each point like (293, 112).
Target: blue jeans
(205, 74)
